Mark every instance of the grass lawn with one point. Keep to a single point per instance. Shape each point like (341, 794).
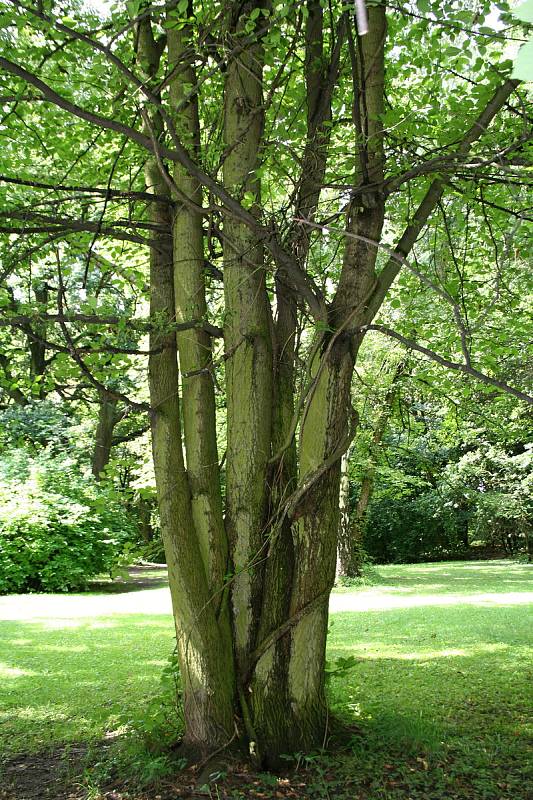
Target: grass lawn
(438, 704)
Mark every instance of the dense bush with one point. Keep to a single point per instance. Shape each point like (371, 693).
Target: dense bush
(40, 423)
(57, 526)
(483, 500)
(414, 529)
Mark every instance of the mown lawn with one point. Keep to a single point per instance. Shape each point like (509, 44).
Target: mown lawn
(438, 704)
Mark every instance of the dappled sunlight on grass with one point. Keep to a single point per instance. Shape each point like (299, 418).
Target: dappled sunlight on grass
(381, 598)
(14, 672)
(80, 606)
(65, 648)
(78, 678)
(443, 668)
(448, 674)
(500, 583)
(458, 575)
(385, 650)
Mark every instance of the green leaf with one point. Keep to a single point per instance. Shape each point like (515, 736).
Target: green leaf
(133, 7)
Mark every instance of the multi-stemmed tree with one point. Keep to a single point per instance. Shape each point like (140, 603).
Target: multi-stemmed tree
(276, 148)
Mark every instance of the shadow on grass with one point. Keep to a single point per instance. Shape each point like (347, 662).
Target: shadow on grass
(447, 683)
(61, 683)
(436, 703)
(139, 578)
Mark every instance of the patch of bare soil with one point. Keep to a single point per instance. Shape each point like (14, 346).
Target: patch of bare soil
(237, 784)
(64, 775)
(44, 776)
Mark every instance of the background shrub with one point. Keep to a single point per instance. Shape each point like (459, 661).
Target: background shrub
(58, 528)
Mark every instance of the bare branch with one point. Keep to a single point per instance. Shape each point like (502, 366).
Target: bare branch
(95, 319)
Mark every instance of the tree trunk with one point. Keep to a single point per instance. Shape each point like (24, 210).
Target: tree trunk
(252, 559)
(348, 559)
(204, 653)
(327, 430)
(36, 343)
(204, 649)
(281, 526)
(107, 419)
(248, 342)
(194, 346)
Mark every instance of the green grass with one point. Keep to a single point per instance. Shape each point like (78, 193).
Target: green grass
(65, 680)
(447, 684)
(437, 703)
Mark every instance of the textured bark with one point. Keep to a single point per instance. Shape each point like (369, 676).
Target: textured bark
(205, 656)
(36, 343)
(281, 524)
(248, 340)
(325, 433)
(195, 352)
(204, 653)
(107, 419)
(270, 693)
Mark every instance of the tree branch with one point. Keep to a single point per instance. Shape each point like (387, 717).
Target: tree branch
(302, 282)
(95, 319)
(432, 197)
(467, 369)
(110, 194)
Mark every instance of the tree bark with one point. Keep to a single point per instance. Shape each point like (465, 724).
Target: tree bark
(194, 346)
(248, 342)
(107, 419)
(206, 662)
(274, 552)
(36, 342)
(329, 422)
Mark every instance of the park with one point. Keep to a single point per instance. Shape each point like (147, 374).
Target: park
(266, 475)
(436, 704)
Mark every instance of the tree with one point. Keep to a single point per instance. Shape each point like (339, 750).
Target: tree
(278, 157)
(350, 546)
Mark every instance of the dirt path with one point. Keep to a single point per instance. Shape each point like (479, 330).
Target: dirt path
(146, 592)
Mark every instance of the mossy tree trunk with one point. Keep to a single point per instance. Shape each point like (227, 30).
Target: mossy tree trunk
(203, 634)
(252, 559)
(251, 553)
